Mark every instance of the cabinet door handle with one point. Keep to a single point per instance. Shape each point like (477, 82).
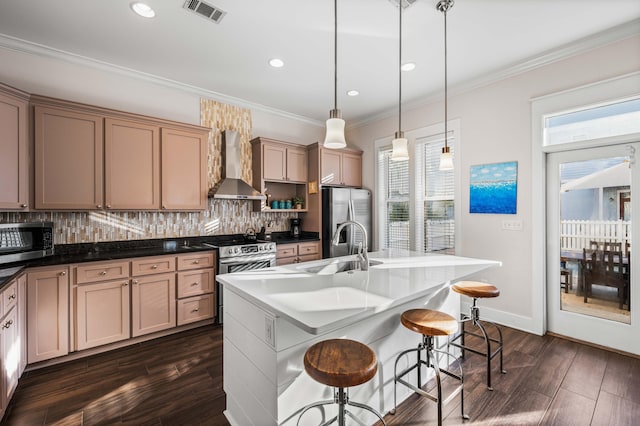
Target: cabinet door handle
(195, 310)
(103, 273)
(13, 296)
(164, 207)
(63, 273)
(154, 266)
(193, 284)
(7, 324)
(135, 281)
(23, 206)
(108, 206)
(99, 206)
(195, 262)
(126, 283)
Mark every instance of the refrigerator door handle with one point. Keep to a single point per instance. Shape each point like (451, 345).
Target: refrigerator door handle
(351, 216)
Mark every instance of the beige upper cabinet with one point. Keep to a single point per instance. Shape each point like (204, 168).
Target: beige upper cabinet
(131, 165)
(69, 159)
(14, 154)
(91, 158)
(340, 168)
(283, 162)
(184, 170)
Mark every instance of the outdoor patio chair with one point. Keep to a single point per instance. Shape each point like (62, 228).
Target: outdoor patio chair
(607, 268)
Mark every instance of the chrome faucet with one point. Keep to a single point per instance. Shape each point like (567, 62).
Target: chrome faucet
(362, 247)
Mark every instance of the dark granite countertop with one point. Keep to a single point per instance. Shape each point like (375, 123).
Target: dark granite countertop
(286, 238)
(92, 252)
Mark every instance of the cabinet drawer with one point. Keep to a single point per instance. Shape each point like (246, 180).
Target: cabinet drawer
(309, 257)
(287, 250)
(153, 265)
(94, 272)
(194, 309)
(193, 283)
(9, 297)
(286, 260)
(308, 248)
(195, 261)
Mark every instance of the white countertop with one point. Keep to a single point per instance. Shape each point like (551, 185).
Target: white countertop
(322, 300)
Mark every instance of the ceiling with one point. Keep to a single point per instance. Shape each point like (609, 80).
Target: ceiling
(229, 60)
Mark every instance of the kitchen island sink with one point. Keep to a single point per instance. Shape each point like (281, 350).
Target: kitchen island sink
(273, 315)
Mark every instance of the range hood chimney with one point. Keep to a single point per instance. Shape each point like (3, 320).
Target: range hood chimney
(231, 186)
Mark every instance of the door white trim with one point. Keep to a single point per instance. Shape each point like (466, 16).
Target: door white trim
(615, 88)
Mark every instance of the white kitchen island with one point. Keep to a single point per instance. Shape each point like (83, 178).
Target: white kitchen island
(273, 315)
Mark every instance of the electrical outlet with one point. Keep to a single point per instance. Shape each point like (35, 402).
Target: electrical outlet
(512, 225)
(269, 330)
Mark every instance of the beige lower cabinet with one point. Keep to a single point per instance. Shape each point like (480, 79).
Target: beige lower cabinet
(102, 313)
(10, 348)
(22, 319)
(47, 313)
(196, 278)
(153, 301)
(101, 295)
(298, 252)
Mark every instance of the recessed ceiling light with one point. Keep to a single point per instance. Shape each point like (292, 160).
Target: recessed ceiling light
(276, 63)
(353, 93)
(143, 10)
(409, 66)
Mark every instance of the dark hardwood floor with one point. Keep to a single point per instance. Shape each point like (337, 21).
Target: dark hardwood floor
(177, 380)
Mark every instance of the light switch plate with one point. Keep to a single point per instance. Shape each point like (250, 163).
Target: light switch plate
(512, 225)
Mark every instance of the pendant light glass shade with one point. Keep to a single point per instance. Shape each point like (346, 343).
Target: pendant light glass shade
(400, 151)
(334, 138)
(446, 159)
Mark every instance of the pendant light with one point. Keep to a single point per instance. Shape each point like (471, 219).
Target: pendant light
(400, 151)
(446, 160)
(334, 137)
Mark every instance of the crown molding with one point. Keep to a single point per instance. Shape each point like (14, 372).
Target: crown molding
(24, 46)
(603, 38)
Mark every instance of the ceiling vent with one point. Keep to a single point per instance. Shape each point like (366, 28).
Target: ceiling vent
(405, 3)
(206, 10)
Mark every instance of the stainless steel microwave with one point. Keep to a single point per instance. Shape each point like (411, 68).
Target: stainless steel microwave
(23, 241)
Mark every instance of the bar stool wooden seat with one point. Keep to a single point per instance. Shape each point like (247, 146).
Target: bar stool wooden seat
(478, 290)
(340, 363)
(429, 324)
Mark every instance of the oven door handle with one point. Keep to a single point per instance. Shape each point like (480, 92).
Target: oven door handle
(247, 259)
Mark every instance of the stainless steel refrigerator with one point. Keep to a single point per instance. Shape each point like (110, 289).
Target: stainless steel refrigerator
(338, 206)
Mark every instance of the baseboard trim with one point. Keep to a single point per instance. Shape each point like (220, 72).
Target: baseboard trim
(519, 322)
(593, 345)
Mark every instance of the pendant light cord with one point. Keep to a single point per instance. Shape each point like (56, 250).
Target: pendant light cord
(446, 97)
(335, 54)
(400, 70)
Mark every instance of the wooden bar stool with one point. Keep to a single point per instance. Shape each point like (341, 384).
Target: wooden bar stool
(429, 323)
(478, 290)
(340, 363)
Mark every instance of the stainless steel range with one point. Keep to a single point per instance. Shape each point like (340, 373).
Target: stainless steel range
(237, 256)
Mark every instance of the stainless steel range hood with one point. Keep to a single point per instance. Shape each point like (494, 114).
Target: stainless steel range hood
(231, 186)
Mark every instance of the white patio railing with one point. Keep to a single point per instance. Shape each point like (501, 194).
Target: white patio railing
(577, 234)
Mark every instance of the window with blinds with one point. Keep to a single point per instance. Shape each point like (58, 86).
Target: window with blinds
(394, 190)
(422, 200)
(435, 191)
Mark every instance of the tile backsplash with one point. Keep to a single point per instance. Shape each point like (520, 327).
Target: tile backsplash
(222, 217)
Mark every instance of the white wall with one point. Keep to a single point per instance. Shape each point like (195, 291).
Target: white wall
(78, 80)
(495, 123)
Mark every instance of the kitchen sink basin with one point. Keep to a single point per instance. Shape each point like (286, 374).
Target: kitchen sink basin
(333, 267)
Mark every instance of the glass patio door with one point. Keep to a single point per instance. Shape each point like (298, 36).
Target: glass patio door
(590, 281)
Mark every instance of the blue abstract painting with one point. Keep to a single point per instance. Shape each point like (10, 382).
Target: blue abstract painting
(494, 188)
